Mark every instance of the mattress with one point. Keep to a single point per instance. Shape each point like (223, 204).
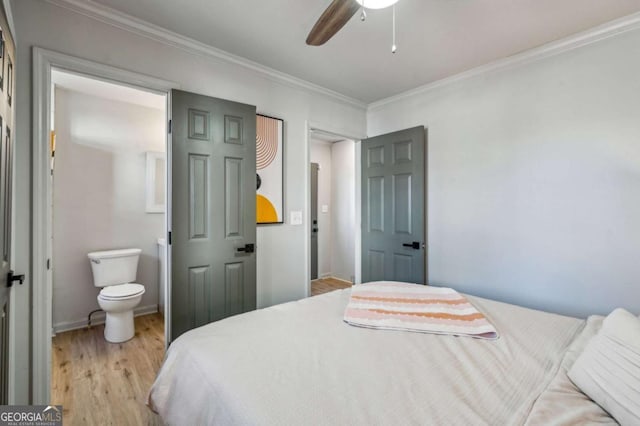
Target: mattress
(299, 363)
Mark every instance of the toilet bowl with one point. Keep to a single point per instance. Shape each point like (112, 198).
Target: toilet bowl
(115, 271)
(118, 302)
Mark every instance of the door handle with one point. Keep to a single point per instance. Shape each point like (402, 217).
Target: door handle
(248, 248)
(414, 245)
(11, 278)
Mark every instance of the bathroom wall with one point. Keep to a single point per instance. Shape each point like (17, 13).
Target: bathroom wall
(99, 197)
(320, 153)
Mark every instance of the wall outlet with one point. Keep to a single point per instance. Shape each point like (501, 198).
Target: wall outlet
(296, 217)
(325, 208)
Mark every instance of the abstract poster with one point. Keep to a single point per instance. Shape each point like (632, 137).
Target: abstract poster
(269, 145)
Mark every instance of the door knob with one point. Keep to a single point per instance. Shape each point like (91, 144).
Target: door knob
(11, 278)
(414, 245)
(248, 248)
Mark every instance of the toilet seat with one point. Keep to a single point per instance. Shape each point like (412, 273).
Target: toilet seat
(121, 291)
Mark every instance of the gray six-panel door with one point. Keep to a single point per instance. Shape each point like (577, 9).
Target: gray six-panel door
(7, 277)
(393, 207)
(213, 226)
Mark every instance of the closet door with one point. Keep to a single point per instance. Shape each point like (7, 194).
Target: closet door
(7, 277)
(393, 207)
(213, 217)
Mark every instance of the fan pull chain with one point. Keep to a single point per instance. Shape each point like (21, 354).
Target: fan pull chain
(363, 15)
(394, 47)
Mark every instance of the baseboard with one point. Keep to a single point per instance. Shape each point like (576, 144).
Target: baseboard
(325, 275)
(98, 318)
(329, 276)
(341, 279)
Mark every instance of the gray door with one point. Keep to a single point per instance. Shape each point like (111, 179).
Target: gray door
(213, 225)
(314, 220)
(6, 275)
(393, 207)
(7, 278)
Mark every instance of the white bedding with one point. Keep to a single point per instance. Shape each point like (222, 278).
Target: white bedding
(299, 363)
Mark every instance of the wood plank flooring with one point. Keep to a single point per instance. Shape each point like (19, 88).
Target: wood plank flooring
(101, 383)
(325, 285)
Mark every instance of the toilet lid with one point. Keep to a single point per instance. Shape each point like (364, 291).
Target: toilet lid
(122, 290)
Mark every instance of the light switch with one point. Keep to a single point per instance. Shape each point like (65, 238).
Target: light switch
(296, 217)
(325, 208)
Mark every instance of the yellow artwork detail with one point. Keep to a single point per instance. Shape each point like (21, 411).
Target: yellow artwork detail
(266, 213)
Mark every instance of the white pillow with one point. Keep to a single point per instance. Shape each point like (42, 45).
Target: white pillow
(608, 371)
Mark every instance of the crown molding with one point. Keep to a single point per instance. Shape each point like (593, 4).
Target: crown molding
(593, 35)
(137, 26)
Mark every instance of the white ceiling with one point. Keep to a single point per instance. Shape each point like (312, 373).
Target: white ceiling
(106, 90)
(436, 38)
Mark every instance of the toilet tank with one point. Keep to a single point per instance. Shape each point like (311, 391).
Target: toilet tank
(112, 267)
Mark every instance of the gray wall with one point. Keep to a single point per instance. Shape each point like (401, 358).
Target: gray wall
(99, 197)
(534, 179)
(282, 264)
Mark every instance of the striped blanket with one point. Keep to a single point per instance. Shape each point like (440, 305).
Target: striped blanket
(411, 307)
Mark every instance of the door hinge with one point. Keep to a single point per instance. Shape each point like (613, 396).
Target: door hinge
(169, 127)
(169, 237)
(48, 264)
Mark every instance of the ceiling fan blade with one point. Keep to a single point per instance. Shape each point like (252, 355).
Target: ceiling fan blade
(332, 20)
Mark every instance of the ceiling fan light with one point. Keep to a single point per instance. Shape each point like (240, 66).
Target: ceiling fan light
(376, 4)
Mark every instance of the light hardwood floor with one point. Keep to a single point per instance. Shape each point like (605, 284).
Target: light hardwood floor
(101, 383)
(325, 285)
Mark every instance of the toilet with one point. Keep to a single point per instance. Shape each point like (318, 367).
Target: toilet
(115, 272)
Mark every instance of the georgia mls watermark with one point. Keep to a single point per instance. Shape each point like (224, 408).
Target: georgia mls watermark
(30, 415)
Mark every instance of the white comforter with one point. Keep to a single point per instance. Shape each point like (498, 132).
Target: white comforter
(300, 364)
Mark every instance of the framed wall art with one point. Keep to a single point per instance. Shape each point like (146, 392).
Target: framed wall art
(269, 163)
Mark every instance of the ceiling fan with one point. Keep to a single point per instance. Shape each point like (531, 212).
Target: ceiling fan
(337, 15)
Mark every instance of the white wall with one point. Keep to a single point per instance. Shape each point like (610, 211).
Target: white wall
(343, 196)
(281, 249)
(99, 197)
(320, 153)
(534, 179)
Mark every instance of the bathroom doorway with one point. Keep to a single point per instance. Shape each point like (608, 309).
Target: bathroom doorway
(108, 224)
(332, 212)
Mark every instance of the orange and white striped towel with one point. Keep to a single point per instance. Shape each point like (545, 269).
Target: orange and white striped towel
(411, 307)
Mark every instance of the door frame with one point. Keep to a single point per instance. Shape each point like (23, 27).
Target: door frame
(340, 133)
(41, 276)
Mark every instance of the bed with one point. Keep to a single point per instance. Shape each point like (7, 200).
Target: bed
(299, 363)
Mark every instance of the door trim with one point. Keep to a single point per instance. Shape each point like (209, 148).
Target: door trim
(41, 278)
(342, 133)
